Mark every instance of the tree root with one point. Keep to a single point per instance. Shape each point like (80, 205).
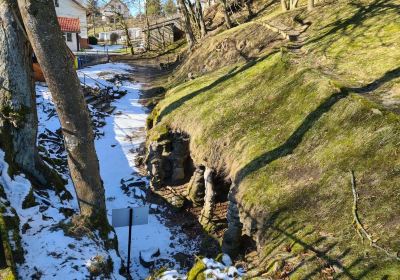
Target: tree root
(360, 228)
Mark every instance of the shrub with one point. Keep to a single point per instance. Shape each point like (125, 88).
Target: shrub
(114, 37)
(93, 40)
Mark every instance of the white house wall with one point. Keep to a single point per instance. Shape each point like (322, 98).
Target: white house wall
(68, 8)
(73, 45)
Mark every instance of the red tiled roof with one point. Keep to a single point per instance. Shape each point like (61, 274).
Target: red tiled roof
(69, 24)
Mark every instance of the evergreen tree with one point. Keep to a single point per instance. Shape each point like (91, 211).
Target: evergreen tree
(169, 7)
(153, 7)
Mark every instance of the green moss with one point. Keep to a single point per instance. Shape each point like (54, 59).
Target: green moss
(197, 271)
(29, 200)
(7, 274)
(288, 128)
(9, 230)
(159, 133)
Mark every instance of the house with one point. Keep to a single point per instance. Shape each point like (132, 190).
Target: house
(113, 8)
(135, 34)
(72, 17)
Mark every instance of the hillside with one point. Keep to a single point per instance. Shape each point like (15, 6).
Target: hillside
(289, 125)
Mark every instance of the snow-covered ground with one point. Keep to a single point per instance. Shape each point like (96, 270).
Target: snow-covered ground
(213, 270)
(124, 132)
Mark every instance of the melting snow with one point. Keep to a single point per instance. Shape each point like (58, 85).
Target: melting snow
(49, 254)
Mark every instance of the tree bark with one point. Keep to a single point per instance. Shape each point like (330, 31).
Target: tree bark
(293, 4)
(124, 26)
(249, 10)
(46, 38)
(193, 16)
(284, 5)
(310, 5)
(18, 115)
(187, 27)
(228, 22)
(148, 38)
(199, 11)
(94, 25)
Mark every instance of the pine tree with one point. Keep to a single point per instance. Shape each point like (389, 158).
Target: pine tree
(169, 7)
(153, 7)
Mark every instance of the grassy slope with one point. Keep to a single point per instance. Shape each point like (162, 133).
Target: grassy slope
(289, 129)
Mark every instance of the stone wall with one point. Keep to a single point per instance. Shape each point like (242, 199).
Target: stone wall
(182, 182)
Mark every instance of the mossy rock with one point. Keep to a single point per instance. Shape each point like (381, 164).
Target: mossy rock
(7, 274)
(29, 200)
(197, 271)
(9, 231)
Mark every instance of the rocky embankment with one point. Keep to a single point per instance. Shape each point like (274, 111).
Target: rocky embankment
(197, 187)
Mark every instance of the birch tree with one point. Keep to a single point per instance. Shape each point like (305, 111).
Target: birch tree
(40, 20)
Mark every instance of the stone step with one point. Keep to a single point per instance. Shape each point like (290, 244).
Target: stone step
(102, 105)
(109, 110)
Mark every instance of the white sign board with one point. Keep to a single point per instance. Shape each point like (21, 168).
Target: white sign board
(140, 216)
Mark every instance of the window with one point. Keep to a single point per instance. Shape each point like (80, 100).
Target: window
(69, 37)
(56, 3)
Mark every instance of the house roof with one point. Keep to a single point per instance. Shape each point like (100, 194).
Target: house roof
(109, 2)
(69, 24)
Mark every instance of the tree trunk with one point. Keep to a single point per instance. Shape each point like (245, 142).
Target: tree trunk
(199, 10)
(18, 116)
(193, 16)
(46, 38)
(293, 4)
(94, 25)
(310, 5)
(284, 5)
(148, 46)
(187, 27)
(228, 22)
(249, 10)
(124, 26)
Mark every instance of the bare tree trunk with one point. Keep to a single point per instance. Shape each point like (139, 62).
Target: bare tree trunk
(293, 4)
(284, 5)
(249, 10)
(94, 25)
(199, 10)
(18, 116)
(45, 35)
(228, 22)
(124, 26)
(190, 9)
(310, 5)
(148, 46)
(188, 28)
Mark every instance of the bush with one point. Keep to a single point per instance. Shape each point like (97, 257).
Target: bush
(114, 37)
(93, 40)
